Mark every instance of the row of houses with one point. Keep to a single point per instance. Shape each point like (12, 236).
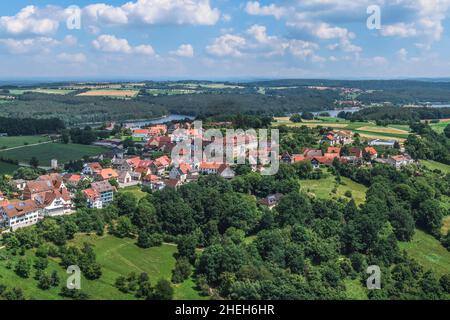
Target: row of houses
(46, 196)
(354, 155)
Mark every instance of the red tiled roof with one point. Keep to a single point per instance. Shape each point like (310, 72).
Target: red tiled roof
(209, 165)
(298, 158)
(151, 178)
(141, 131)
(334, 150)
(109, 174)
(95, 166)
(134, 162)
(185, 168)
(163, 161)
(20, 208)
(370, 150)
(91, 194)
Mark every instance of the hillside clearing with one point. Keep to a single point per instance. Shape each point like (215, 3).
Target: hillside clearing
(434, 165)
(323, 188)
(428, 252)
(118, 257)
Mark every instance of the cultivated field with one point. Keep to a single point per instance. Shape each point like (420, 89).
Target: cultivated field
(383, 130)
(171, 92)
(18, 92)
(367, 130)
(46, 152)
(7, 168)
(17, 141)
(110, 93)
(428, 252)
(118, 257)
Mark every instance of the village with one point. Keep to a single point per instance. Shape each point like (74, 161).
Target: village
(53, 194)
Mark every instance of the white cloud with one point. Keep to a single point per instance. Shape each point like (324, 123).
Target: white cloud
(256, 41)
(402, 54)
(302, 49)
(106, 13)
(184, 50)
(260, 34)
(30, 45)
(112, 44)
(195, 12)
(29, 20)
(399, 30)
(74, 58)
(227, 45)
(144, 50)
(254, 8)
(327, 32)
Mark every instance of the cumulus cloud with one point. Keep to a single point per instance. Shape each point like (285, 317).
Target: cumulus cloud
(256, 41)
(402, 30)
(30, 45)
(194, 12)
(112, 44)
(227, 45)
(184, 50)
(106, 13)
(29, 20)
(256, 9)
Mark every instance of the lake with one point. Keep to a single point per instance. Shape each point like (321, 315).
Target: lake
(334, 113)
(142, 123)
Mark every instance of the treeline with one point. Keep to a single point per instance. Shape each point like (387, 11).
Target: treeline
(428, 144)
(395, 114)
(377, 91)
(214, 104)
(74, 109)
(29, 126)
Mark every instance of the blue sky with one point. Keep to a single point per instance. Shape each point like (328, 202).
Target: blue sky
(220, 39)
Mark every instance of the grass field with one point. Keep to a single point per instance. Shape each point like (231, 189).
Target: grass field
(433, 165)
(117, 257)
(439, 127)
(7, 168)
(367, 130)
(41, 90)
(46, 152)
(428, 252)
(387, 130)
(323, 188)
(136, 190)
(354, 289)
(10, 142)
(170, 92)
(110, 93)
(445, 225)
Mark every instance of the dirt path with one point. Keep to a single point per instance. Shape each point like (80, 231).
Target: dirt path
(28, 145)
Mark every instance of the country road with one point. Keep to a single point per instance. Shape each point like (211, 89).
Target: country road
(25, 146)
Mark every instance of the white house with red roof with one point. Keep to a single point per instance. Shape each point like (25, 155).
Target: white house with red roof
(21, 214)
